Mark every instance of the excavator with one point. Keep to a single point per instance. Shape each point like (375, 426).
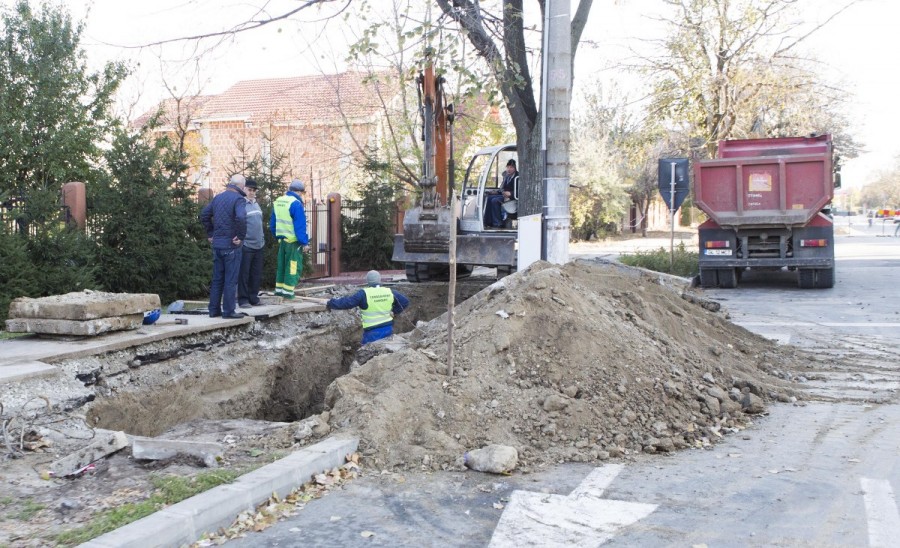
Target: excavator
(424, 245)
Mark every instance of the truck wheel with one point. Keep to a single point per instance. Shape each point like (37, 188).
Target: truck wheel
(825, 278)
(806, 278)
(709, 277)
(503, 271)
(728, 278)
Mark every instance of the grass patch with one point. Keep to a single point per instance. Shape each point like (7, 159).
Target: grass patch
(167, 491)
(7, 335)
(27, 511)
(686, 262)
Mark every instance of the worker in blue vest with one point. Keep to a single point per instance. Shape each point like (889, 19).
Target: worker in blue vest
(377, 306)
(288, 224)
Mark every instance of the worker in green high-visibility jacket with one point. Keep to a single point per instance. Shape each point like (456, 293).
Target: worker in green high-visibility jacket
(288, 224)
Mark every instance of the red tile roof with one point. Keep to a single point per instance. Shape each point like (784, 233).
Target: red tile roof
(304, 99)
(186, 109)
(315, 100)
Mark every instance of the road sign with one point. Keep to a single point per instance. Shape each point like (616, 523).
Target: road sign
(674, 181)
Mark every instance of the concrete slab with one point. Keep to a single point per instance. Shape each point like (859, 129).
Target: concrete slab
(185, 522)
(21, 371)
(84, 305)
(286, 306)
(78, 328)
(158, 449)
(31, 348)
(106, 444)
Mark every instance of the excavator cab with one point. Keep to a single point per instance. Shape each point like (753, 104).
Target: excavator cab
(484, 177)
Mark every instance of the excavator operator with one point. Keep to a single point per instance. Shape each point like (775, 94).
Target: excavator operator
(494, 214)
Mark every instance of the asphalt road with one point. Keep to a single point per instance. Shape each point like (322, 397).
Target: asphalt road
(819, 473)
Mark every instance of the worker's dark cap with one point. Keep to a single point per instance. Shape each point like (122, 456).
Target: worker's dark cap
(511, 163)
(251, 183)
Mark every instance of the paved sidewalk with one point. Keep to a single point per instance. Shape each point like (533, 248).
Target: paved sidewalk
(32, 356)
(634, 243)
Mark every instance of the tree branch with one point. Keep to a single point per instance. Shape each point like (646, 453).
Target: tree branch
(246, 25)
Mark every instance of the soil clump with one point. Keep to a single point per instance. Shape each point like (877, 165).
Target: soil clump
(580, 362)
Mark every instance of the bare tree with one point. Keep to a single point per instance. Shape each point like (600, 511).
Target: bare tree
(726, 63)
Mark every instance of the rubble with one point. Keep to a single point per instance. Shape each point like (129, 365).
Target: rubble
(86, 313)
(77, 328)
(74, 463)
(592, 361)
(209, 453)
(496, 459)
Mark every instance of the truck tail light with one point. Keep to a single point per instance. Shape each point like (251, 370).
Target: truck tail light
(813, 243)
(717, 244)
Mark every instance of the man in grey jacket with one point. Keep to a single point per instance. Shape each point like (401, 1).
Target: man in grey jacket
(253, 252)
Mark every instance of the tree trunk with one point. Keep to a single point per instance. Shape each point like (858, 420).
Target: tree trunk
(531, 199)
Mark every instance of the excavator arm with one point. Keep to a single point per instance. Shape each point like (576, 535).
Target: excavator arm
(426, 227)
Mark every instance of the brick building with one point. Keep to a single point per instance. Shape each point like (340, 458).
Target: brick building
(316, 125)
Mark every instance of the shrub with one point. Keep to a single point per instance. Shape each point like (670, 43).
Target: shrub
(686, 263)
(144, 222)
(18, 277)
(368, 239)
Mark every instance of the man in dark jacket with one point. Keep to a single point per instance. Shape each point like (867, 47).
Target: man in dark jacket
(377, 306)
(225, 221)
(494, 214)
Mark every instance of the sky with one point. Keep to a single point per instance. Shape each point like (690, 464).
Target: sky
(856, 47)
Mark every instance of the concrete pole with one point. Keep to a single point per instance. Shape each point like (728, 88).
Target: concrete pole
(555, 98)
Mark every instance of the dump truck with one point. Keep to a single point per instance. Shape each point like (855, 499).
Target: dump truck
(424, 246)
(767, 202)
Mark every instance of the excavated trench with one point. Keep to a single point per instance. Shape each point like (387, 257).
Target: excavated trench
(273, 370)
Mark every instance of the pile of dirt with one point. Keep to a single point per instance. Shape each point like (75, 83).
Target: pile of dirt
(579, 362)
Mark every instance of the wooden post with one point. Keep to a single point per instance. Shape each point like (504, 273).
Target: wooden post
(451, 291)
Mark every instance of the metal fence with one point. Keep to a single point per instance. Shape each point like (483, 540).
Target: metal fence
(353, 210)
(14, 217)
(318, 219)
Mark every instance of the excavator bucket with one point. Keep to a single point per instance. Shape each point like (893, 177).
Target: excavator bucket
(427, 230)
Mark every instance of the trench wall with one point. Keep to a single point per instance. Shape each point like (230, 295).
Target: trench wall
(276, 369)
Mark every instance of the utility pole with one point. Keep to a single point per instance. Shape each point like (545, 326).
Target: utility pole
(556, 83)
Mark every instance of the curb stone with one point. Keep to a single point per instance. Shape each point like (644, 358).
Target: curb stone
(185, 522)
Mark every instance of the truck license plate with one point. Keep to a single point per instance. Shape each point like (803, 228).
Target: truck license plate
(718, 252)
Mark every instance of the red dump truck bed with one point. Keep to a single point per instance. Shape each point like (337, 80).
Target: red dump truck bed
(765, 182)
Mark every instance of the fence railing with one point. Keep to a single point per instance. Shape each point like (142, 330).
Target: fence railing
(353, 210)
(317, 221)
(14, 217)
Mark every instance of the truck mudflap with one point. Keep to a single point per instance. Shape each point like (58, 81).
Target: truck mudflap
(477, 249)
